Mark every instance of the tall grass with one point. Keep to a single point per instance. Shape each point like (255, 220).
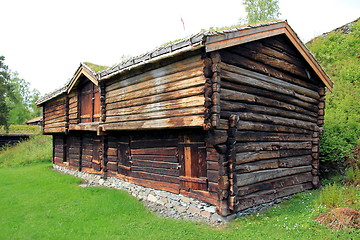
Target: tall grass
(36, 149)
(334, 195)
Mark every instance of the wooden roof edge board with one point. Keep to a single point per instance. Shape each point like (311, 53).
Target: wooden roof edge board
(51, 95)
(305, 52)
(243, 31)
(85, 70)
(82, 69)
(242, 39)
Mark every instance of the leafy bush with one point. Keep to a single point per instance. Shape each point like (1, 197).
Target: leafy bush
(338, 52)
(339, 141)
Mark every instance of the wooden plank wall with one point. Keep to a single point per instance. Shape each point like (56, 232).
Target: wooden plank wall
(148, 158)
(73, 107)
(54, 115)
(275, 98)
(154, 157)
(169, 96)
(59, 149)
(73, 143)
(87, 151)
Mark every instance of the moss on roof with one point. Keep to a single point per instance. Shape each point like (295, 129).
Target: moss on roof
(95, 67)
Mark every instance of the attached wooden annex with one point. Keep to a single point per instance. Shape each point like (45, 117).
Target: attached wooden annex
(232, 117)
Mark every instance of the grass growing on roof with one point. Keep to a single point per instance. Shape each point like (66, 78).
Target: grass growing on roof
(95, 67)
(30, 129)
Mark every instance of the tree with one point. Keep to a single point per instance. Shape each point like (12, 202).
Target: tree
(261, 10)
(5, 89)
(22, 105)
(17, 101)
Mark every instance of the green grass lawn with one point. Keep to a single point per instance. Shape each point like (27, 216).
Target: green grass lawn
(38, 203)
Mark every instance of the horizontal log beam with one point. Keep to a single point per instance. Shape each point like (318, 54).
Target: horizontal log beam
(243, 107)
(253, 79)
(254, 136)
(231, 95)
(180, 66)
(276, 183)
(263, 175)
(173, 122)
(192, 101)
(158, 98)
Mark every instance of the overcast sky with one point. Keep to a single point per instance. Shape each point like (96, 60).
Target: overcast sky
(45, 41)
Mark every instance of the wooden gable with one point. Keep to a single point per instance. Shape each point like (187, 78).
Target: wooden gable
(232, 38)
(82, 71)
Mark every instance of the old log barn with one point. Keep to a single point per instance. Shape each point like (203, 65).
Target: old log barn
(229, 117)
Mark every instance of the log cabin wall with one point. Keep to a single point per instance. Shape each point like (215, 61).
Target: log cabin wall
(167, 97)
(160, 159)
(78, 151)
(157, 159)
(271, 111)
(54, 115)
(73, 107)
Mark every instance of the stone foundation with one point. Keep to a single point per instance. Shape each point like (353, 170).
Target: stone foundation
(164, 203)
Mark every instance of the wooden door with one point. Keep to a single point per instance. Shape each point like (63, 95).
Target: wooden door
(192, 154)
(96, 104)
(86, 105)
(123, 154)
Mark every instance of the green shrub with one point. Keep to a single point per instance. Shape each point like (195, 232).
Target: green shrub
(339, 141)
(331, 196)
(338, 53)
(334, 195)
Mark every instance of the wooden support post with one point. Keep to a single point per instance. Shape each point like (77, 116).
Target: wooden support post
(216, 81)
(66, 114)
(231, 142)
(208, 92)
(102, 102)
(103, 156)
(80, 139)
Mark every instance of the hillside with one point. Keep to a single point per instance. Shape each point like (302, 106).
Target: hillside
(339, 53)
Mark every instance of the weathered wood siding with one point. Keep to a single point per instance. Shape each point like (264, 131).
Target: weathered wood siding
(148, 158)
(54, 115)
(59, 145)
(169, 96)
(275, 99)
(154, 157)
(73, 107)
